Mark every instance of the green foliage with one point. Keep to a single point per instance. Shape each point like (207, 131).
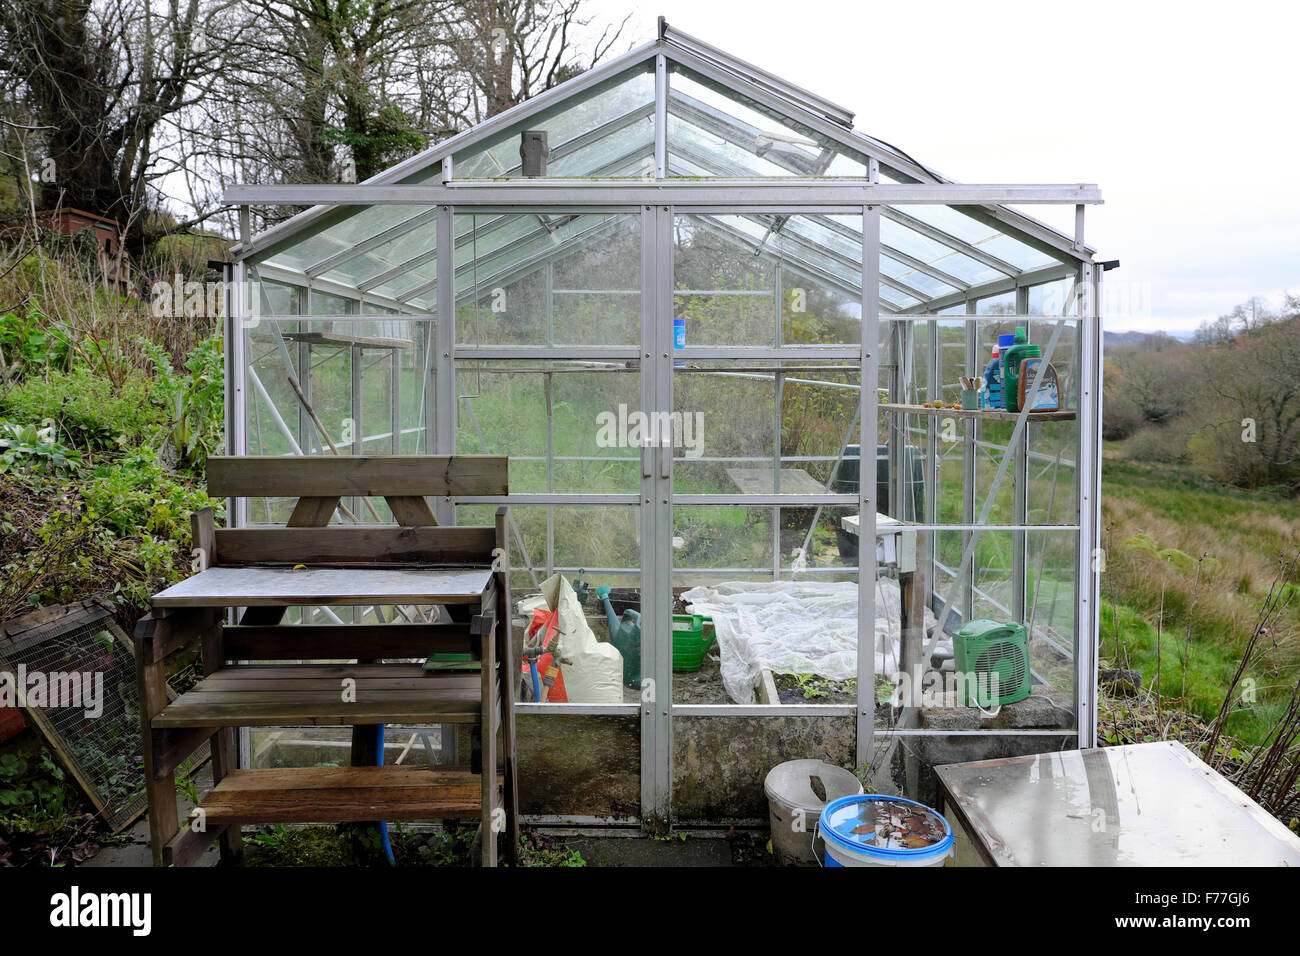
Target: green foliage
(195, 398)
(122, 531)
(27, 340)
(136, 495)
(34, 794)
(87, 409)
(26, 446)
(388, 132)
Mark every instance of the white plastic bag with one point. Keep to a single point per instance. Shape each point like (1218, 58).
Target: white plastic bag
(593, 671)
(795, 627)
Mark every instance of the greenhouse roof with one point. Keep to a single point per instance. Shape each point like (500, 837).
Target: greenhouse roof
(678, 110)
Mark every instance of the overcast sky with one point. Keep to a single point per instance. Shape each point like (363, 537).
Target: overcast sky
(1183, 113)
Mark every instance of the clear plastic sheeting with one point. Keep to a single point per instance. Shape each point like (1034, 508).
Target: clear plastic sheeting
(796, 627)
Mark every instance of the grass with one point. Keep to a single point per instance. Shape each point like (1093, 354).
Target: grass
(1192, 561)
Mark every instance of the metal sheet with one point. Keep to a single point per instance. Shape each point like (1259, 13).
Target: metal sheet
(248, 587)
(1151, 804)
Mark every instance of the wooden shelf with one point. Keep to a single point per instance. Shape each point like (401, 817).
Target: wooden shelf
(342, 794)
(343, 339)
(285, 695)
(1064, 415)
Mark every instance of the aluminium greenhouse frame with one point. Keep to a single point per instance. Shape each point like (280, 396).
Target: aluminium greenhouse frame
(655, 200)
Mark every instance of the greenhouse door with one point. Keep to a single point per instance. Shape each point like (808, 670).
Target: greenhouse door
(753, 358)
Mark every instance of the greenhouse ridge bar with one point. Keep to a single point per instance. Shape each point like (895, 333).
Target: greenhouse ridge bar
(711, 243)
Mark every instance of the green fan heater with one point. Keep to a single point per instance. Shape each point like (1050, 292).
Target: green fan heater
(992, 661)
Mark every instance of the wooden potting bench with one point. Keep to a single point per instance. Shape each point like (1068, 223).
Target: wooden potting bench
(260, 673)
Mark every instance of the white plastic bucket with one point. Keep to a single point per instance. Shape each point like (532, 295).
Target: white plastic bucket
(844, 848)
(794, 807)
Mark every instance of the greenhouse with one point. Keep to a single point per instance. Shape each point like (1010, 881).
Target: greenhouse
(697, 310)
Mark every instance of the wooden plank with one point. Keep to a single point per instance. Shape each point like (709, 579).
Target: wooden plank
(313, 512)
(35, 625)
(188, 845)
(992, 414)
(342, 794)
(362, 475)
(202, 531)
(394, 776)
(224, 755)
(159, 790)
(304, 685)
(488, 775)
(758, 481)
(411, 510)
(328, 698)
(505, 688)
(334, 671)
(240, 708)
(171, 748)
(281, 587)
(163, 636)
(346, 641)
(375, 546)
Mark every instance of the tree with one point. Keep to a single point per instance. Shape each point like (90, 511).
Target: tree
(510, 50)
(324, 91)
(99, 79)
(1254, 436)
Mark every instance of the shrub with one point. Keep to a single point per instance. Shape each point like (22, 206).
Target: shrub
(29, 340)
(85, 407)
(1119, 420)
(29, 446)
(195, 399)
(136, 495)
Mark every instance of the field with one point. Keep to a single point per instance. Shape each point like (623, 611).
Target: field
(1190, 562)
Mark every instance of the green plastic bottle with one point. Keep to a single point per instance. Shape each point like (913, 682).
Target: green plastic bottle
(1012, 360)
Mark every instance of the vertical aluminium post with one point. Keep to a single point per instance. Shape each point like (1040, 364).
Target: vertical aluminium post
(1020, 496)
(868, 410)
(1089, 557)
(661, 117)
(969, 463)
(656, 521)
(444, 359)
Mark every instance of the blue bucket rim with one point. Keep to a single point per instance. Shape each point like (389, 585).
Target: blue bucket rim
(883, 852)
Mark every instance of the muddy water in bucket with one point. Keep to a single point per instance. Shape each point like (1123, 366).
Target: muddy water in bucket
(797, 790)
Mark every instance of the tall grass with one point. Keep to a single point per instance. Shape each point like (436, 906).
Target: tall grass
(1189, 564)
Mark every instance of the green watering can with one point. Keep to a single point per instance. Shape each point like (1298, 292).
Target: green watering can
(580, 586)
(626, 636)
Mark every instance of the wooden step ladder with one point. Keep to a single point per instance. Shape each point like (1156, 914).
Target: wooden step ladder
(262, 673)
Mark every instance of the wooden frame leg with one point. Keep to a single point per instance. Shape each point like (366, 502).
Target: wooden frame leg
(488, 770)
(164, 812)
(222, 743)
(223, 761)
(506, 687)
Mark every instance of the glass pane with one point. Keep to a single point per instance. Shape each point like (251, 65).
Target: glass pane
(734, 275)
(586, 132)
(732, 436)
(596, 546)
(548, 279)
(559, 421)
(718, 129)
(362, 384)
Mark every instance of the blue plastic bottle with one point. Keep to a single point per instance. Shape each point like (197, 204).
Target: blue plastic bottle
(993, 373)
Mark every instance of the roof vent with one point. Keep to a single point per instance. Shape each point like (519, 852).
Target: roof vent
(534, 151)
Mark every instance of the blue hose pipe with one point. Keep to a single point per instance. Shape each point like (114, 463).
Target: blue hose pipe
(383, 824)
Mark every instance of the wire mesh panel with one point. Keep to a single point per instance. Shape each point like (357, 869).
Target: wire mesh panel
(73, 670)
